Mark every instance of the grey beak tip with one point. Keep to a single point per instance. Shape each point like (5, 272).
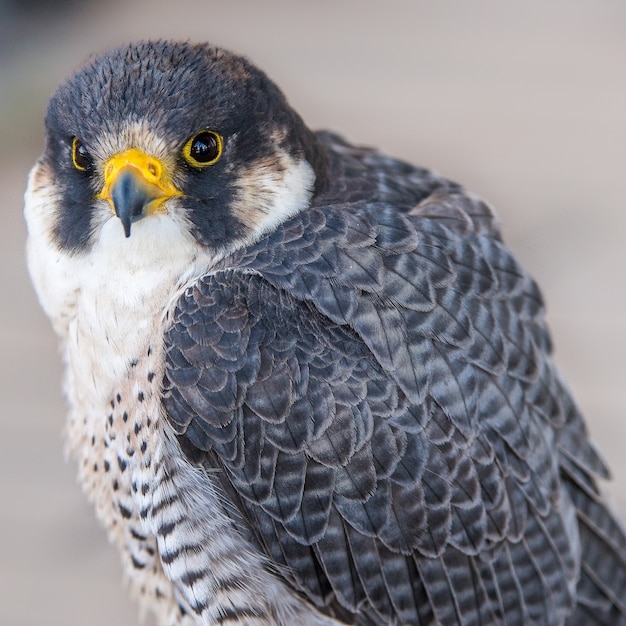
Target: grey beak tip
(126, 223)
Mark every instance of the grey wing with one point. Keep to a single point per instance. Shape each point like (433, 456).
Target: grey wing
(376, 391)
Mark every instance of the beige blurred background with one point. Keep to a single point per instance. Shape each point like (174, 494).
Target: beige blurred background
(525, 103)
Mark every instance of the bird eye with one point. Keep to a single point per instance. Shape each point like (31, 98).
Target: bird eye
(80, 156)
(203, 149)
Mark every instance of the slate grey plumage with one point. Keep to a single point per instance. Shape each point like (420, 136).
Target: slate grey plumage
(358, 410)
(445, 319)
(397, 356)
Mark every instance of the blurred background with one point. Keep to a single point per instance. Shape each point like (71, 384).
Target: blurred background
(524, 103)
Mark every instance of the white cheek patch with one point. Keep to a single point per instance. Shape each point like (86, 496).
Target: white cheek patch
(268, 194)
(54, 273)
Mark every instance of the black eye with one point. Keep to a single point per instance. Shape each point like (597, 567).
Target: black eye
(80, 156)
(203, 149)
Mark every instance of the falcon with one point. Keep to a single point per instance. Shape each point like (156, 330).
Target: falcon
(308, 384)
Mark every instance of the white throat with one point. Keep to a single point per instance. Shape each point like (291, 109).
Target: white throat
(108, 304)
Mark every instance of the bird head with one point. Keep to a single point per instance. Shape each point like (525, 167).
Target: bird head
(173, 132)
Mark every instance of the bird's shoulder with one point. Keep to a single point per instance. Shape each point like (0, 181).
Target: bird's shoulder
(355, 327)
(366, 174)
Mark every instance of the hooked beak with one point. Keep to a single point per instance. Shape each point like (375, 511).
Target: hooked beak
(135, 186)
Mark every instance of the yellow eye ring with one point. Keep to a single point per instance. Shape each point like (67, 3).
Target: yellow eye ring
(203, 149)
(80, 157)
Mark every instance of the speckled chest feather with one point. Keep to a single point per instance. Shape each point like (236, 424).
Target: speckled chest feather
(119, 458)
(160, 511)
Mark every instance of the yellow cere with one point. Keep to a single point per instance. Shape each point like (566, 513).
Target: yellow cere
(149, 174)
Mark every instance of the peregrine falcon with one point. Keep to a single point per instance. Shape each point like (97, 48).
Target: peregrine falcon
(308, 384)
